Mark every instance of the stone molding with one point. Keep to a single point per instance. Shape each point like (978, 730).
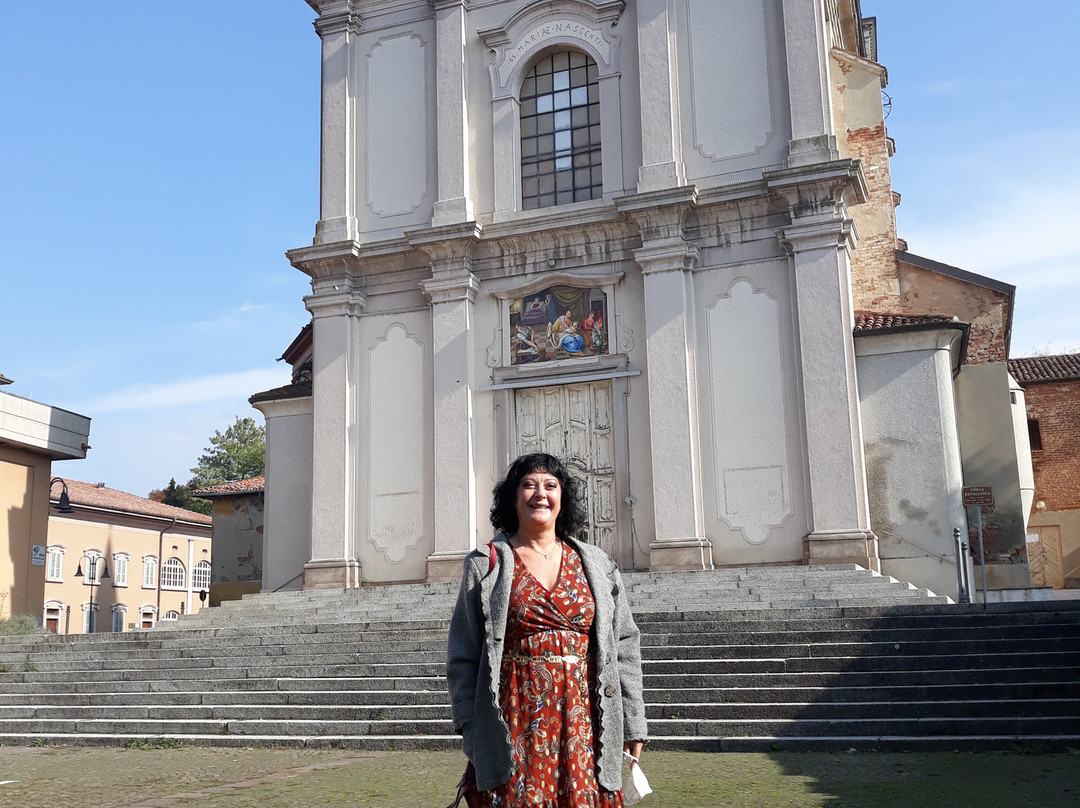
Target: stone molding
(586, 24)
(336, 17)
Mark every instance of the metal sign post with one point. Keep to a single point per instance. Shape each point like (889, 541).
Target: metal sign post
(979, 496)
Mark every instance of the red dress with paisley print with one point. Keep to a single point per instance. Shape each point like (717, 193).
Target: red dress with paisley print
(544, 694)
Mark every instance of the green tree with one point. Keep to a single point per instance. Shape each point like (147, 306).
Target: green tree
(237, 454)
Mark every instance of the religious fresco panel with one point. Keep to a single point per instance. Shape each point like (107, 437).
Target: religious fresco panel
(559, 322)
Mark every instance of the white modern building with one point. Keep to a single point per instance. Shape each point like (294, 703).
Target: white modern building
(636, 234)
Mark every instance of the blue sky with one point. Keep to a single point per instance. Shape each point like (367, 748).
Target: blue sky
(158, 158)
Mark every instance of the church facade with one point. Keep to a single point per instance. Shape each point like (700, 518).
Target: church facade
(636, 234)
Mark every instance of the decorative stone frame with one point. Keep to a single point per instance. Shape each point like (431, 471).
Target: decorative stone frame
(546, 370)
(584, 25)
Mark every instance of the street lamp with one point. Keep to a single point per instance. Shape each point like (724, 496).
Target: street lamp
(92, 580)
(63, 505)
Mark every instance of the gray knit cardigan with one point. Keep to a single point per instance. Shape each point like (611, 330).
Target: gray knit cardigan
(474, 654)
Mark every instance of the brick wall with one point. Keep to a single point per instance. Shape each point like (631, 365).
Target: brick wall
(1056, 406)
(859, 121)
(923, 291)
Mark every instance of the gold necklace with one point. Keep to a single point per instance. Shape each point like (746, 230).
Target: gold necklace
(554, 547)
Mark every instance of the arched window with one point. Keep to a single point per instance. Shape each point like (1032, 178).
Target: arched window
(560, 131)
(172, 574)
(171, 615)
(200, 576)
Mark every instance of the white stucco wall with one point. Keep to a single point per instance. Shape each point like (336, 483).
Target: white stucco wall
(986, 417)
(287, 506)
(914, 472)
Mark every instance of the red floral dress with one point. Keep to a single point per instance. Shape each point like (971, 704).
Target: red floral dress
(544, 694)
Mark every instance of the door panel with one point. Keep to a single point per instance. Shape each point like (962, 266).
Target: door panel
(574, 422)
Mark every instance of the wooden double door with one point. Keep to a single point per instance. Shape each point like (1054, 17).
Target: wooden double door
(575, 423)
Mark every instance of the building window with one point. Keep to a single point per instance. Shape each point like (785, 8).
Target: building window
(171, 615)
(147, 615)
(120, 569)
(173, 574)
(149, 572)
(95, 566)
(560, 131)
(119, 615)
(89, 623)
(54, 615)
(200, 576)
(55, 569)
(1034, 435)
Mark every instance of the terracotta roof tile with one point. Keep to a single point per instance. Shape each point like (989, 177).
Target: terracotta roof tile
(300, 389)
(1034, 369)
(866, 321)
(92, 495)
(252, 485)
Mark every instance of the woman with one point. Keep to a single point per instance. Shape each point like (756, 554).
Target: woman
(564, 335)
(544, 664)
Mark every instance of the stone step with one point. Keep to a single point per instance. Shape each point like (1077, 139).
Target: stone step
(673, 711)
(354, 668)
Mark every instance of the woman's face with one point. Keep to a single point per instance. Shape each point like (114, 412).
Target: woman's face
(539, 497)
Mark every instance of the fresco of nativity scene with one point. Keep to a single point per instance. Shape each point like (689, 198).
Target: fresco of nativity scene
(560, 322)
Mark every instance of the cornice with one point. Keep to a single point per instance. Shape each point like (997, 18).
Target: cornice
(837, 181)
(336, 17)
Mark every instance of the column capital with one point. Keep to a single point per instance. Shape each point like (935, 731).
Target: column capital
(335, 299)
(820, 188)
(452, 290)
(840, 234)
(447, 247)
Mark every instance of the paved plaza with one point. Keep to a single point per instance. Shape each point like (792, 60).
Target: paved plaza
(190, 777)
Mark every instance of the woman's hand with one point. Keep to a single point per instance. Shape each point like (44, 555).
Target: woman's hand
(633, 748)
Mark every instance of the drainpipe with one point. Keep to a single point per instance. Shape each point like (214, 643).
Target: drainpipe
(160, 564)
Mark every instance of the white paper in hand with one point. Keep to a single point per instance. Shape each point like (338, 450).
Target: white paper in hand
(636, 785)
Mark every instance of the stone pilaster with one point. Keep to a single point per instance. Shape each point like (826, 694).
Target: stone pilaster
(667, 260)
(809, 95)
(335, 307)
(661, 141)
(452, 292)
(819, 240)
(338, 26)
(454, 204)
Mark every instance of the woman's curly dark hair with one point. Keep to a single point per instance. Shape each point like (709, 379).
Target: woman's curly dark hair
(572, 516)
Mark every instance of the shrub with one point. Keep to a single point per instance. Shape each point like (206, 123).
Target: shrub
(20, 624)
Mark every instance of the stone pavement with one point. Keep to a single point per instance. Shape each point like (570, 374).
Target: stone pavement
(193, 777)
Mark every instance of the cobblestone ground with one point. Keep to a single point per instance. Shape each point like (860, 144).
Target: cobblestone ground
(80, 777)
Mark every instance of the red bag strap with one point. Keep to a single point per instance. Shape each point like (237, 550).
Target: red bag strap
(491, 556)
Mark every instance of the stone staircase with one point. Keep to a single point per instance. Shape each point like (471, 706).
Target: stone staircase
(754, 659)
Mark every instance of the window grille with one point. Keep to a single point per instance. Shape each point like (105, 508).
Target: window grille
(560, 131)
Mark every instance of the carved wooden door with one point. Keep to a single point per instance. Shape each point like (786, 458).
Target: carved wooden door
(574, 422)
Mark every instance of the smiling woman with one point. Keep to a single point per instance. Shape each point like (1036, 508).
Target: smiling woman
(548, 612)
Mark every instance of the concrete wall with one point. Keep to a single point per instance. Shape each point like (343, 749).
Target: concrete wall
(24, 502)
(913, 462)
(992, 450)
(286, 538)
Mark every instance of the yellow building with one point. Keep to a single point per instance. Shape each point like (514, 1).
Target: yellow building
(32, 436)
(117, 561)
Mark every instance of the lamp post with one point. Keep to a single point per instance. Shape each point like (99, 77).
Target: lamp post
(63, 505)
(92, 580)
